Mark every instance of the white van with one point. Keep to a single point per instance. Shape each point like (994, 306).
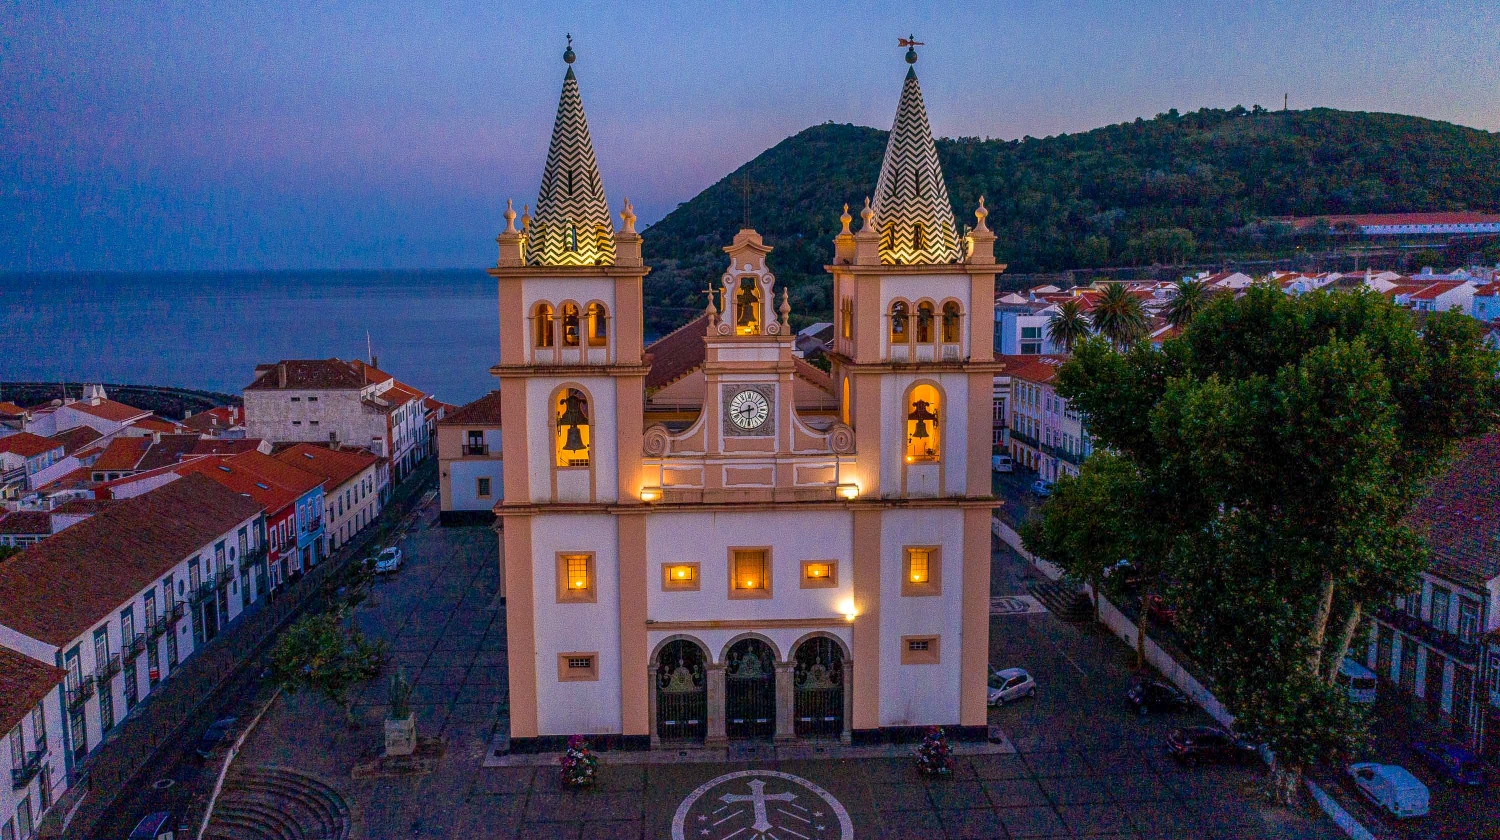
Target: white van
(1358, 681)
(1391, 788)
(1002, 463)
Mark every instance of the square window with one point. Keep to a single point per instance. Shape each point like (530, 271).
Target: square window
(922, 570)
(921, 650)
(749, 572)
(679, 577)
(577, 667)
(575, 578)
(482, 487)
(820, 574)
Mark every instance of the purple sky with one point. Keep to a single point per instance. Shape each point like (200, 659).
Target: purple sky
(247, 134)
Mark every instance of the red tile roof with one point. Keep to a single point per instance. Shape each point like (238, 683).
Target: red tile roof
(81, 478)
(107, 409)
(22, 522)
(1434, 289)
(76, 438)
(24, 682)
(1038, 369)
(677, 353)
(308, 375)
(61, 587)
(484, 411)
(1488, 290)
(169, 450)
(157, 424)
(1462, 218)
(10, 409)
(123, 453)
(1461, 514)
(272, 483)
(88, 506)
(336, 466)
(217, 418)
(28, 445)
(224, 446)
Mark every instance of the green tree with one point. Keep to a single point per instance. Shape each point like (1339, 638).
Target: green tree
(1187, 301)
(1069, 326)
(319, 654)
(1170, 246)
(1281, 442)
(1119, 316)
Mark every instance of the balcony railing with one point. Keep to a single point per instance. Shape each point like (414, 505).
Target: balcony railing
(32, 765)
(202, 592)
(476, 449)
(1429, 635)
(178, 611)
(314, 523)
(156, 627)
(223, 578)
(135, 645)
(79, 693)
(1062, 453)
(110, 667)
(254, 555)
(1021, 437)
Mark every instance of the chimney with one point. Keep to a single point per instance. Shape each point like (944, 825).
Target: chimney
(281, 374)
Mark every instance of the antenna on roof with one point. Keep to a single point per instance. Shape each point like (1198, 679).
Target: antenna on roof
(1285, 98)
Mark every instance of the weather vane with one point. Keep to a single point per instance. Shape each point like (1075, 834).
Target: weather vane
(911, 43)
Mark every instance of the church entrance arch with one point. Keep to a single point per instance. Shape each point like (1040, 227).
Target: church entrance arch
(681, 691)
(750, 690)
(818, 678)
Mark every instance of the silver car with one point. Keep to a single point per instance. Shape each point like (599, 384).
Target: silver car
(1010, 684)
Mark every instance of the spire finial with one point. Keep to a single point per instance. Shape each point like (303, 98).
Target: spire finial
(866, 215)
(911, 43)
(845, 219)
(510, 217)
(628, 218)
(568, 54)
(980, 213)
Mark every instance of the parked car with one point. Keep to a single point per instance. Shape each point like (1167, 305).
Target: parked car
(1392, 788)
(1358, 681)
(155, 826)
(1152, 696)
(1002, 463)
(1453, 764)
(213, 735)
(1010, 684)
(1042, 488)
(1159, 610)
(1197, 744)
(388, 561)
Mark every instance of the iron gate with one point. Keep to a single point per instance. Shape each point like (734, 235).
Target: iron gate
(818, 707)
(681, 693)
(750, 690)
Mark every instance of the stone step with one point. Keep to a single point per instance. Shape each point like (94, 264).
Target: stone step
(307, 809)
(1063, 601)
(285, 825)
(241, 824)
(273, 803)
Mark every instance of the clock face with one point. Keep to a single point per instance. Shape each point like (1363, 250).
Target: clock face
(749, 409)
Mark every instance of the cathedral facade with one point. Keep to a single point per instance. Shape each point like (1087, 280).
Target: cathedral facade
(709, 539)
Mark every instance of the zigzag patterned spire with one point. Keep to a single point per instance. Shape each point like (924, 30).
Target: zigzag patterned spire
(912, 211)
(572, 224)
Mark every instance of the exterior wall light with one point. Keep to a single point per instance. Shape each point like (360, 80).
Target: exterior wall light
(848, 490)
(650, 494)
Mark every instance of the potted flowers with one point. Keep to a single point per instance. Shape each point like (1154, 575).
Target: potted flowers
(935, 753)
(578, 764)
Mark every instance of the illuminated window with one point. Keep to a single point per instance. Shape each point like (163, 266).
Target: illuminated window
(575, 578)
(921, 650)
(922, 570)
(572, 435)
(570, 325)
(820, 574)
(898, 322)
(542, 325)
(679, 576)
(749, 573)
(577, 667)
(598, 325)
(922, 434)
(924, 323)
(747, 314)
(950, 323)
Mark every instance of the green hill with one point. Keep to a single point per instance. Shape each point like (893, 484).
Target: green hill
(1089, 199)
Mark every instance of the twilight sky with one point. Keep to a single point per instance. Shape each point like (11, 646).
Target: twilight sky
(242, 134)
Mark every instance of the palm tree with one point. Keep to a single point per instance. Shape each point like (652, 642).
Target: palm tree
(1190, 298)
(1119, 316)
(1069, 326)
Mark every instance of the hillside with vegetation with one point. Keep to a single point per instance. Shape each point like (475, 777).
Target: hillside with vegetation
(1173, 189)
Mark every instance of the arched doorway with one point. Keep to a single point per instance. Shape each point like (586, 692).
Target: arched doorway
(750, 690)
(818, 688)
(681, 691)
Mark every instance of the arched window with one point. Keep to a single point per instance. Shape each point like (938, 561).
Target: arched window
(918, 238)
(573, 434)
(924, 322)
(542, 325)
(570, 325)
(598, 325)
(747, 315)
(950, 322)
(898, 322)
(923, 409)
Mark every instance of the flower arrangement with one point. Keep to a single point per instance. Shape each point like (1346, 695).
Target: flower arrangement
(578, 764)
(935, 753)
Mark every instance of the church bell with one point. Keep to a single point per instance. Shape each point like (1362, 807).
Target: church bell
(744, 308)
(920, 414)
(573, 417)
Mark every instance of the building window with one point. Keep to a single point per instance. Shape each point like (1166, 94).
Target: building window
(1468, 620)
(577, 667)
(820, 574)
(922, 570)
(1031, 332)
(570, 325)
(918, 239)
(482, 487)
(921, 650)
(924, 323)
(1439, 612)
(922, 409)
(598, 325)
(899, 315)
(749, 572)
(679, 577)
(575, 578)
(572, 434)
(950, 323)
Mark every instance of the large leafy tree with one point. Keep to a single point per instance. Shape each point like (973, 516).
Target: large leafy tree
(1188, 299)
(1279, 444)
(1119, 316)
(1069, 326)
(318, 653)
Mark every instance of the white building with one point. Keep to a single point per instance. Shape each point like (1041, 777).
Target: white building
(23, 458)
(121, 598)
(754, 572)
(1046, 436)
(95, 410)
(31, 741)
(471, 477)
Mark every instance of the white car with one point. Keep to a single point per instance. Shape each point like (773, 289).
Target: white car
(1392, 788)
(1002, 463)
(388, 561)
(1010, 684)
